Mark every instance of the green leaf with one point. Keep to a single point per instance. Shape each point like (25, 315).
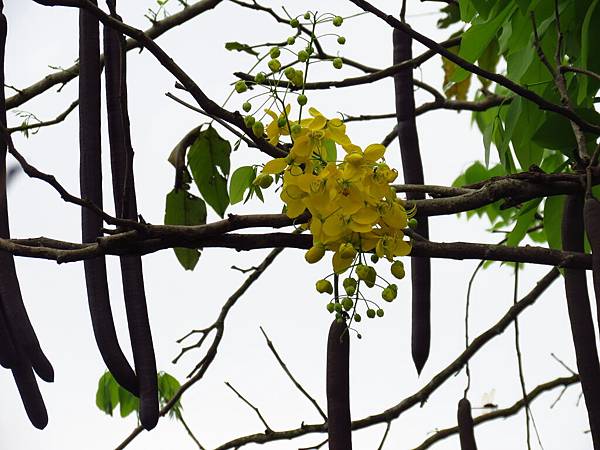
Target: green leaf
(553, 211)
(184, 208)
(241, 180)
(477, 38)
(168, 386)
(589, 38)
(467, 10)
(128, 402)
(525, 220)
(107, 394)
(238, 46)
(209, 153)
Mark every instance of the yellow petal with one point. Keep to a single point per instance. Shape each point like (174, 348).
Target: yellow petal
(340, 265)
(275, 166)
(374, 152)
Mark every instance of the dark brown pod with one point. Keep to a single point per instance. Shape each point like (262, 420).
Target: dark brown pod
(18, 325)
(338, 387)
(29, 392)
(591, 217)
(121, 155)
(412, 168)
(7, 351)
(465, 425)
(580, 315)
(91, 188)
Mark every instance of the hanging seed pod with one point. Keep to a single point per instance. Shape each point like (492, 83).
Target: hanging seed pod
(580, 314)
(121, 155)
(412, 167)
(591, 217)
(17, 323)
(29, 391)
(338, 387)
(91, 188)
(465, 425)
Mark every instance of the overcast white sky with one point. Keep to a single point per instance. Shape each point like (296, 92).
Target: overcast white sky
(283, 301)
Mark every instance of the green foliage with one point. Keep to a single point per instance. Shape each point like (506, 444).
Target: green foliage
(184, 208)
(241, 181)
(208, 159)
(238, 46)
(109, 395)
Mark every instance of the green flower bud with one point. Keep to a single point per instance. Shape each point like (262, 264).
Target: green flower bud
(258, 129)
(330, 307)
(247, 106)
(274, 65)
(290, 73)
(324, 286)
(275, 52)
(295, 23)
(264, 180)
(374, 258)
(338, 307)
(309, 50)
(341, 40)
(241, 86)
(302, 99)
(389, 294)
(249, 121)
(357, 317)
(371, 313)
(298, 79)
(347, 303)
(412, 223)
(307, 15)
(291, 40)
(380, 312)
(398, 269)
(281, 122)
(371, 277)
(338, 63)
(260, 77)
(296, 129)
(337, 21)
(362, 272)
(349, 286)
(303, 56)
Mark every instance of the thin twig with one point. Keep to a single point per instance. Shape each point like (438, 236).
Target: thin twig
(385, 435)
(256, 410)
(291, 377)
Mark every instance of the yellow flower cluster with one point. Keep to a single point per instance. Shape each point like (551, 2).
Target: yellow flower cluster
(352, 205)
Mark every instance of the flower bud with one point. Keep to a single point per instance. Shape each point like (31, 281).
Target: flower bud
(302, 99)
(398, 269)
(247, 106)
(324, 286)
(338, 63)
(240, 86)
(337, 21)
(260, 77)
(258, 129)
(314, 254)
(275, 52)
(341, 40)
(303, 56)
(347, 251)
(274, 65)
(349, 286)
(249, 121)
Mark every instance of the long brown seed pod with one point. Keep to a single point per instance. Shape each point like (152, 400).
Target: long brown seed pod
(121, 153)
(7, 350)
(18, 324)
(580, 315)
(591, 217)
(465, 425)
(412, 168)
(29, 391)
(338, 387)
(91, 189)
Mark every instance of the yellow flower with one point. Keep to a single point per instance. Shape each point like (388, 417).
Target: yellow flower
(274, 131)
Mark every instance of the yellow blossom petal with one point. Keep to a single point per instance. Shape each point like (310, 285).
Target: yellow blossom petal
(275, 166)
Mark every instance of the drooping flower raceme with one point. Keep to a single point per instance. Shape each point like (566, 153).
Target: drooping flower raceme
(352, 205)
